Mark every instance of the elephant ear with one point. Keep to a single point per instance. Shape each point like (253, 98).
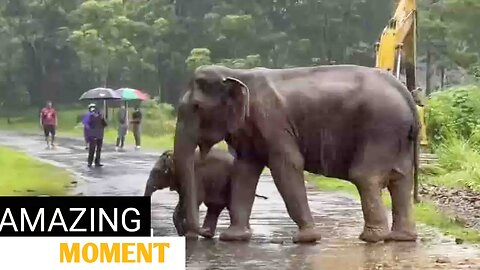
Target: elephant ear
(238, 102)
(169, 168)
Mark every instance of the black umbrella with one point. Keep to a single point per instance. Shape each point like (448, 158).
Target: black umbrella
(100, 93)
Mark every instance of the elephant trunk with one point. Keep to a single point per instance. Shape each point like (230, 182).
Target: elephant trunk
(184, 156)
(149, 188)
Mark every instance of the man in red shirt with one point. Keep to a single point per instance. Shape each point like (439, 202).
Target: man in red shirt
(49, 122)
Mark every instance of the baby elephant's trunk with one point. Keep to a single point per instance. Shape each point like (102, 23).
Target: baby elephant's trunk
(149, 189)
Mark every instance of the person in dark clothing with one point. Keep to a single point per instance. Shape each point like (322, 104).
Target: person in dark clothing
(122, 128)
(86, 127)
(96, 125)
(136, 126)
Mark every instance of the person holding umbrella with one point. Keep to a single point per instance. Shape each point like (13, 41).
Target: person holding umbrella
(85, 120)
(130, 94)
(100, 93)
(96, 127)
(96, 122)
(122, 128)
(136, 122)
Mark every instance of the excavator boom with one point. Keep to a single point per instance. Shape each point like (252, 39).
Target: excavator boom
(396, 49)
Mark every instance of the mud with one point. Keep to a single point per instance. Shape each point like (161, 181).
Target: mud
(462, 204)
(338, 216)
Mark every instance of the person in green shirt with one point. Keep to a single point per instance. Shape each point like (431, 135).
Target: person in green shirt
(122, 128)
(136, 126)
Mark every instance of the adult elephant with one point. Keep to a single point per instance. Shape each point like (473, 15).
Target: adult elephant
(348, 122)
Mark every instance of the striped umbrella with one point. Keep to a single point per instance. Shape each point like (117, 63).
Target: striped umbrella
(128, 94)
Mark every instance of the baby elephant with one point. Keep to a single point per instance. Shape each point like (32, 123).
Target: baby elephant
(212, 176)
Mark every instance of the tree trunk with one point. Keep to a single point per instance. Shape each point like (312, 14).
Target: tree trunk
(442, 77)
(105, 75)
(428, 76)
(325, 38)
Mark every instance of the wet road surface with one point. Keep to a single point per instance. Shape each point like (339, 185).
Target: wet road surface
(338, 216)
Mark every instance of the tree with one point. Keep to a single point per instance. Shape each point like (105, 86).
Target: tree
(198, 57)
(59, 48)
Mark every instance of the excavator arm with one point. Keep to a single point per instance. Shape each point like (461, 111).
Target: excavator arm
(396, 50)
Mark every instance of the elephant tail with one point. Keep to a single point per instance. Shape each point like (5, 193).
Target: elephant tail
(416, 150)
(414, 130)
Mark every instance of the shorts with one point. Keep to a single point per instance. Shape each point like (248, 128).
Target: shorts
(49, 129)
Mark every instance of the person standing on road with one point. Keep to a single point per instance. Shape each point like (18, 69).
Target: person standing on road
(136, 126)
(96, 124)
(49, 123)
(86, 127)
(122, 128)
(419, 98)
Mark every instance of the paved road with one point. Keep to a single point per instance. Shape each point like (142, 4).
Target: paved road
(338, 216)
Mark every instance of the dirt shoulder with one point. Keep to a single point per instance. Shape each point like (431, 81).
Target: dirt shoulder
(463, 205)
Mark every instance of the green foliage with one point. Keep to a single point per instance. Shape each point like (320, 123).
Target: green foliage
(58, 49)
(449, 30)
(159, 119)
(455, 112)
(237, 26)
(198, 57)
(454, 129)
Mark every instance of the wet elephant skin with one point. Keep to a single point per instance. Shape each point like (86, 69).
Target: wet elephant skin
(354, 123)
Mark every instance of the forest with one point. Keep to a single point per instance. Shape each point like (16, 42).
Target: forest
(57, 49)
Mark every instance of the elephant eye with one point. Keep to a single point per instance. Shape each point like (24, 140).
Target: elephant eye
(209, 90)
(200, 82)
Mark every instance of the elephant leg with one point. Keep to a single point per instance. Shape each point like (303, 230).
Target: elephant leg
(179, 220)
(287, 171)
(210, 223)
(374, 212)
(403, 226)
(245, 176)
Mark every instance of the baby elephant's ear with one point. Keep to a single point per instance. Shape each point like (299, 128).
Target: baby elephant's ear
(169, 161)
(169, 164)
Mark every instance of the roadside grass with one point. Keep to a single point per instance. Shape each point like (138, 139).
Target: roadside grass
(459, 165)
(28, 120)
(162, 142)
(22, 175)
(425, 212)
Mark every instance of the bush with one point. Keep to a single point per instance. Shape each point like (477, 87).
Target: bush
(159, 119)
(459, 162)
(453, 121)
(454, 113)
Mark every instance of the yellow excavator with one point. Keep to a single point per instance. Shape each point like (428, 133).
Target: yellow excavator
(397, 51)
